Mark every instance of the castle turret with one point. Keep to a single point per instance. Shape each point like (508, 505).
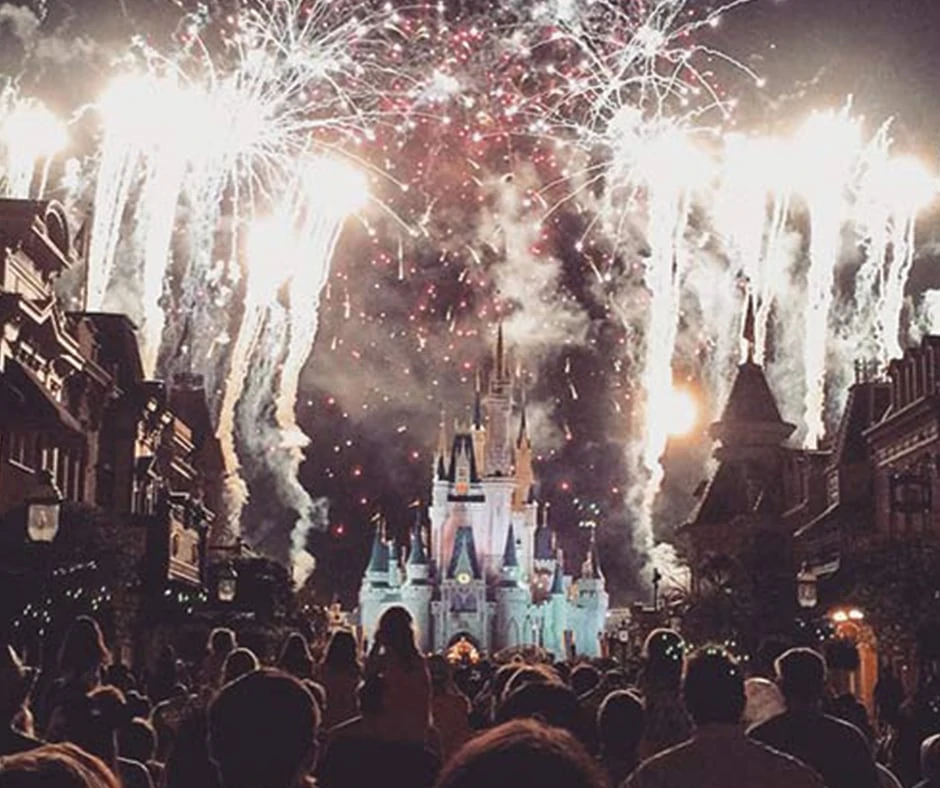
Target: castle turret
(377, 570)
(588, 614)
(417, 592)
(525, 477)
(512, 597)
(419, 564)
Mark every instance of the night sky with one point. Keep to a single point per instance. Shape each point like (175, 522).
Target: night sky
(403, 335)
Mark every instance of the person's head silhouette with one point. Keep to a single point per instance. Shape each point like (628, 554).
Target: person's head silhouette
(262, 731)
(713, 688)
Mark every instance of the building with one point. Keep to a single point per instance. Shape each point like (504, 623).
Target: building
(486, 571)
(129, 466)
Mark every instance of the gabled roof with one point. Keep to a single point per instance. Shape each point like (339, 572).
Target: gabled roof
(867, 404)
(462, 443)
(464, 558)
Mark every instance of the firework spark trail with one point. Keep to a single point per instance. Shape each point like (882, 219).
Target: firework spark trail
(751, 175)
(641, 96)
(826, 151)
(29, 134)
(891, 194)
(295, 246)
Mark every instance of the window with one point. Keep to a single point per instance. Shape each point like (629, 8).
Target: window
(175, 544)
(21, 449)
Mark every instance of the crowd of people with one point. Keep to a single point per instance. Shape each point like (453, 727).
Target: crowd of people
(347, 720)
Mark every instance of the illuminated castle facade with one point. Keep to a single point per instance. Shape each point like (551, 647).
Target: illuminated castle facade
(490, 574)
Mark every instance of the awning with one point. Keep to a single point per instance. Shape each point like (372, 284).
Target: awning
(26, 403)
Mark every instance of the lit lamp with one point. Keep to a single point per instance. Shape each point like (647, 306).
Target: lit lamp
(806, 588)
(227, 583)
(42, 509)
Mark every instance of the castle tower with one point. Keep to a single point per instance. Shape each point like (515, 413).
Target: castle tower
(417, 592)
(589, 620)
(556, 615)
(498, 457)
(375, 585)
(512, 598)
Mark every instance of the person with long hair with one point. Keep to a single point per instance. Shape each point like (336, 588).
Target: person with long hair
(295, 657)
(403, 672)
(82, 658)
(340, 674)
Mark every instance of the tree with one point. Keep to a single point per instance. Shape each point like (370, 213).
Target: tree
(897, 586)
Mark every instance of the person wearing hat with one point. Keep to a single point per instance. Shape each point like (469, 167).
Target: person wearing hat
(15, 685)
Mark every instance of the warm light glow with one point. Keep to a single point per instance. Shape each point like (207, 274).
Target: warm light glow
(683, 412)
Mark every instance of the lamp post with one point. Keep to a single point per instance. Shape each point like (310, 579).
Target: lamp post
(806, 593)
(227, 583)
(43, 509)
(657, 579)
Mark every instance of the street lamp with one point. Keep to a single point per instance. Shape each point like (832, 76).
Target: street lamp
(227, 585)
(43, 508)
(806, 593)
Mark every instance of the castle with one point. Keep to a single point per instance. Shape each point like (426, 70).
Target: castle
(491, 575)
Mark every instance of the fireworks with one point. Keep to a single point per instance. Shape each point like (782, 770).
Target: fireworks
(480, 141)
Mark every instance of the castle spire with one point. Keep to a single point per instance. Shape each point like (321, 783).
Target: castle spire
(441, 459)
(500, 352)
(749, 331)
(477, 402)
(523, 439)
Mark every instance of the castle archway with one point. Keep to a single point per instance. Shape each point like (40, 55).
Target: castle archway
(463, 649)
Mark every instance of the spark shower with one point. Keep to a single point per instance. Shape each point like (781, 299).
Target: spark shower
(228, 166)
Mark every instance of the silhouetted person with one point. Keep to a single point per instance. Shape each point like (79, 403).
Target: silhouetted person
(55, 766)
(620, 721)
(15, 684)
(930, 762)
(450, 709)
(340, 674)
(667, 722)
(240, 662)
(365, 751)
(165, 675)
(889, 695)
(583, 679)
(406, 683)
(262, 731)
(95, 729)
(836, 749)
(522, 752)
(137, 740)
(528, 674)
(295, 657)
(221, 643)
(719, 754)
(764, 700)
(82, 658)
(551, 702)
